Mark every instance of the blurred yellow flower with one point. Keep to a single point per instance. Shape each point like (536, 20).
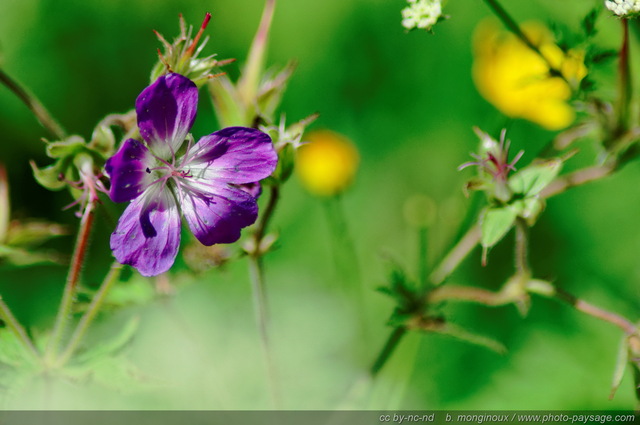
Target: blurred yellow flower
(518, 82)
(327, 164)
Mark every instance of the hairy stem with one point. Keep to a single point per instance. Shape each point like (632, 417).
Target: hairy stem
(77, 260)
(468, 294)
(457, 254)
(18, 330)
(577, 178)
(263, 222)
(256, 272)
(258, 286)
(615, 319)
(39, 111)
(90, 314)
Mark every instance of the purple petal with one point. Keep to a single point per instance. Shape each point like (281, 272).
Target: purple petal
(254, 189)
(166, 111)
(217, 214)
(235, 155)
(127, 170)
(147, 236)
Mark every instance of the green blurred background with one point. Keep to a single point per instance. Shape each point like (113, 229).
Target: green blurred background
(408, 102)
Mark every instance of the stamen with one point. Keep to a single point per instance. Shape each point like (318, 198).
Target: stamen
(164, 61)
(193, 45)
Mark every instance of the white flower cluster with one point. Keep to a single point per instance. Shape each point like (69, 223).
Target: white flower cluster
(623, 7)
(421, 14)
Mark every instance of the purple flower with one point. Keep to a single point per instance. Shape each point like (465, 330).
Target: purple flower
(163, 180)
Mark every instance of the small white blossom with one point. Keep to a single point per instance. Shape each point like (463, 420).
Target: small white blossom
(421, 14)
(623, 7)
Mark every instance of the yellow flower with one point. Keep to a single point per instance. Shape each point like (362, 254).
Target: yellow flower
(518, 82)
(327, 164)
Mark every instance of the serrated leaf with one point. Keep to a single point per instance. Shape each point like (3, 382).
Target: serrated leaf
(112, 346)
(136, 291)
(12, 352)
(532, 179)
(496, 222)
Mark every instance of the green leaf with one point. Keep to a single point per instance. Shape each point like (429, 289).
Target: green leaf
(284, 168)
(113, 372)
(463, 335)
(272, 89)
(529, 208)
(135, 291)
(103, 141)
(69, 147)
(21, 257)
(12, 352)
(622, 360)
(532, 179)
(598, 56)
(112, 346)
(496, 222)
(49, 177)
(229, 108)
(32, 233)
(589, 22)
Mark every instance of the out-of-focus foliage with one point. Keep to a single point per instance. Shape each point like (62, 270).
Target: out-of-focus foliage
(408, 103)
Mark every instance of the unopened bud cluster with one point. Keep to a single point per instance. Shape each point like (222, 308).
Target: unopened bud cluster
(422, 14)
(625, 8)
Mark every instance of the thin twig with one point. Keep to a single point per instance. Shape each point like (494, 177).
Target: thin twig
(577, 178)
(77, 260)
(388, 349)
(37, 108)
(258, 286)
(18, 330)
(459, 252)
(621, 322)
(89, 315)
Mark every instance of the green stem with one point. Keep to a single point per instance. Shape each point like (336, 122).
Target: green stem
(258, 286)
(387, 350)
(39, 111)
(626, 86)
(521, 251)
(90, 314)
(496, 299)
(77, 259)
(14, 326)
(256, 272)
(263, 223)
(513, 26)
(577, 178)
(423, 265)
(457, 254)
